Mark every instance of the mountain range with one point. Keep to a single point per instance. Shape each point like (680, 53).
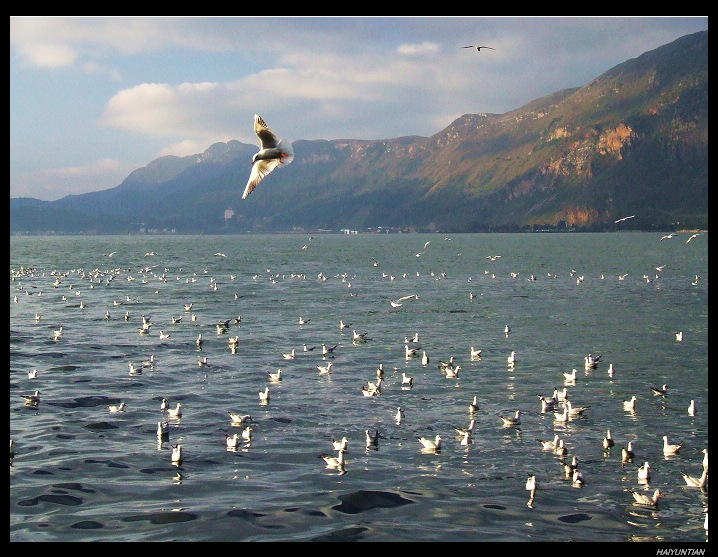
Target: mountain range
(633, 141)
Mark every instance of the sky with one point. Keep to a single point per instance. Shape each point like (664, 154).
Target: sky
(94, 98)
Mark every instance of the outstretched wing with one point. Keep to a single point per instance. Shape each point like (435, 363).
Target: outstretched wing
(260, 169)
(266, 137)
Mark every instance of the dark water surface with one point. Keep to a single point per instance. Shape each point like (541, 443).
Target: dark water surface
(81, 473)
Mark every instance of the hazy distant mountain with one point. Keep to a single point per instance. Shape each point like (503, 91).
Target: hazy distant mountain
(632, 141)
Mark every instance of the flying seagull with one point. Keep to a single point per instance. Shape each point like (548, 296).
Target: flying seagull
(478, 48)
(624, 218)
(272, 153)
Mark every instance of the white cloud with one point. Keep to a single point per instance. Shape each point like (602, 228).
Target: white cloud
(49, 55)
(54, 183)
(421, 48)
(185, 148)
(151, 108)
(94, 169)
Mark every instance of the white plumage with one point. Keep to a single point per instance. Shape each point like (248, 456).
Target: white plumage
(272, 153)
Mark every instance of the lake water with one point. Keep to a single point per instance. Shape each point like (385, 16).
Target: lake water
(81, 473)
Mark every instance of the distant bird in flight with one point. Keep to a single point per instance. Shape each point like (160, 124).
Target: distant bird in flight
(272, 153)
(624, 218)
(478, 48)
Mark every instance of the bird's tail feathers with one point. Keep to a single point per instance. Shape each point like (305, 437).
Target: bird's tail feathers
(287, 151)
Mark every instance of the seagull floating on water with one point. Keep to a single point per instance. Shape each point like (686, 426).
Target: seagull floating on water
(371, 438)
(663, 391)
(460, 431)
(177, 454)
(549, 445)
(512, 358)
(643, 499)
(575, 410)
(32, 374)
(591, 362)
(692, 481)
(679, 336)
(163, 429)
(570, 467)
(630, 404)
(562, 417)
(474, 405)
(272, 153)
(358, 337)
(334, 461)
(531, 484)
(117, 408)
(232, 441)
(452, 372)
(578, 478)
(410, 352)
(627, 453)
(561, 448)
(430, 444)
(324, 370)
(264, 396)
(32, 400)
(175, 412)
(370, 391)
(670, 448)
(340, 445)
(547, 404)
(512, 420)
(608, 440)
(238, 419)
(644, 472)
(692, 408)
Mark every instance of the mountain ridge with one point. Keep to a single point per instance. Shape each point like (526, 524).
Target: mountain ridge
(633, 140)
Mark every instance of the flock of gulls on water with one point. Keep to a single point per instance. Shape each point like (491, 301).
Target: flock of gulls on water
(559, 404)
